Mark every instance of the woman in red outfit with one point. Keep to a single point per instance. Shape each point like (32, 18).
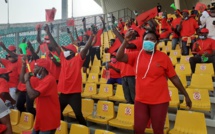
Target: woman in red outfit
(152, 68)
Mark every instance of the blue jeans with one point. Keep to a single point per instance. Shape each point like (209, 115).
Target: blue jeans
(175, 41)
(185, 48)
(44, 132)
(114, 80)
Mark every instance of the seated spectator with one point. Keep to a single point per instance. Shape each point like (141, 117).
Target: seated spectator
(114, 67)
(204, 48)
(4, 119)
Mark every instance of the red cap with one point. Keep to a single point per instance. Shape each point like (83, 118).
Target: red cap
(12, 48)
(4, 71)
(204, 30)
(46, 37)
(185, 10)
(71, 47)
(43, 63)
(29, 52)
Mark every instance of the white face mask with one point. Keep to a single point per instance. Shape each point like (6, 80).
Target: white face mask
(202, 37)
(186, 18)
(66, 54)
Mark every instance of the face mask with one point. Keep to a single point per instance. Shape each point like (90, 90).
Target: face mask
(202, 37)
(39, 76)
(113, 60)
(148, 46)
(66, 54)
(186, 18)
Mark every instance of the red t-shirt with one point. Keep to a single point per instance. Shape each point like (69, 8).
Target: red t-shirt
(48, 106)
(54, 70)
(175, 22)
(98, 35)
(21, 86)
(44, 48)
(153, 89)
(70, 79)
(4, 86)
(207, 45)
(80, 38)
(14, 75)
(88, 32)
(113, 73)
(138, 43)
(189, 27)
(121, 26)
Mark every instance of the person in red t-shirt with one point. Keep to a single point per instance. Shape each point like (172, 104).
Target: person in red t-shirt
(121, 25)
(114, 67)
(46, 95)
(152, 68)
(4, 87)
(70, 81)
(203, 48)
(175, 33)
(187, 28)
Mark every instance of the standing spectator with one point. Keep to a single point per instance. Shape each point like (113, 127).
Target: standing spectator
(187, 28)
(70, 81)
(175, 33)
(208, 20)
(121, 25)
(152, 68)
(5, 118)
(44, 88)
(203, 48)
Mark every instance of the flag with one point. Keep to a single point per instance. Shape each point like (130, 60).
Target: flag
(147, 15)
(50, 14)
(70, 22)
(115, 46)
(200, 6)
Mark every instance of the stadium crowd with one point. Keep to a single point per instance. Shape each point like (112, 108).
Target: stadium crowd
(55, 80)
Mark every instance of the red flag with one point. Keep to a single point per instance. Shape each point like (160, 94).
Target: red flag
(70, 22)
(50, 14)
(147, 15)
(200, 6)
(115, 46)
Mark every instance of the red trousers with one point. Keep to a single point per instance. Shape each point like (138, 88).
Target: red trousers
(144, 112)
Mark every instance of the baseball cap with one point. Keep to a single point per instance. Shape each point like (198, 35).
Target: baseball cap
(43, 63)
(71, 47)
(12, 48)
(204, 30)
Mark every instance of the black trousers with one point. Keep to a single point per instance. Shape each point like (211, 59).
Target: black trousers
(197, 59)
(74, 100)
(95, 51)
(22, 99)
(128, 84)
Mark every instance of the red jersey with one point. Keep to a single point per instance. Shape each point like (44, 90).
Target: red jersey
(189, 27)
(48, 106)
(153, 89)
(98, 35)
(207, 45)
(113, 73)
(175, 23)
(70, 79)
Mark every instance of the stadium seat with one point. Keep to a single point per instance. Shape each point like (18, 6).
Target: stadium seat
(200, 100)
(99, 131)
(95, 69)
(104, 113)
(176, 53)
(79, 129)
(66, 110)
(206, 68)
(119, 95)
(14, 117)
(87, 108)
(185, 59)
(166, 127)
(183, 69)
(102, 81)
(174, 60)
(25, 123)
(173, 92)
(62, 129)
(93, 78)
(182, 77)
(168, 47)
(106, 57)
(105, 91)
(125, 117)
(202, 81)
(160, 45)
(84, 77)
(90, 89)
(185, 120)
